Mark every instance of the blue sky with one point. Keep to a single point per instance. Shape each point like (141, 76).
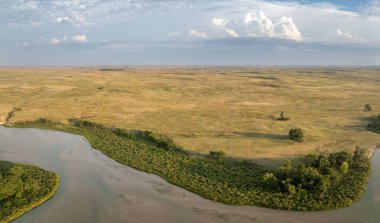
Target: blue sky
(189, 32)
(350, 4)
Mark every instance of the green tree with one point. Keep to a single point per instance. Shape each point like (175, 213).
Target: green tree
(296, 134)
(367, 107)
(282, 117)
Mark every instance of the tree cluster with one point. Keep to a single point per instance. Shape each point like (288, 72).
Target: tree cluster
(21, 187)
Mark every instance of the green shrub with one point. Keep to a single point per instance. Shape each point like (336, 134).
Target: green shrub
(296, 135)
(367, 108)
(217, 155)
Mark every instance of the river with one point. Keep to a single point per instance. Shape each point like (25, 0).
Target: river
(95, 188)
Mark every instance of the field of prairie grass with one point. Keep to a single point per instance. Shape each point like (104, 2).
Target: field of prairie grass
(208, 108)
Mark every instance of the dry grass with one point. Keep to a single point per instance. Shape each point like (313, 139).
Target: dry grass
(203, 109)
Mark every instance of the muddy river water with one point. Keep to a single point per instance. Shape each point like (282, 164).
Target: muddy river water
(94, 188)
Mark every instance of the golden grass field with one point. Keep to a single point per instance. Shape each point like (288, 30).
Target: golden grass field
(202, 109)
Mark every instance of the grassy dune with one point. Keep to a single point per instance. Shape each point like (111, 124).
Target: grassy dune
(203, 109)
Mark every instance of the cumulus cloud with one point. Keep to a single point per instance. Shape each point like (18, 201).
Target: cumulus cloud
(197, 34)
(257, 24)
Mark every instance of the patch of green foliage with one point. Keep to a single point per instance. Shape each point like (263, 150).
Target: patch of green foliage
(374, 124)
(317, 174)
(296, 135)
(367, 108)
(217, 155)
(321, 183)
(23, 187)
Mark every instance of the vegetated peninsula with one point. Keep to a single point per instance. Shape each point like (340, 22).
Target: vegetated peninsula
(320, 182)
(23, 187)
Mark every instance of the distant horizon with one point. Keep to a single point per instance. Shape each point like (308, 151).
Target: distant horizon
(193, 66)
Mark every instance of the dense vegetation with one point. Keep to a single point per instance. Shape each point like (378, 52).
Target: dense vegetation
(317, 174)
(23, 187)
(374, 124)
(321, 183)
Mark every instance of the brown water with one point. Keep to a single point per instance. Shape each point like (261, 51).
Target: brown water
(94, 188)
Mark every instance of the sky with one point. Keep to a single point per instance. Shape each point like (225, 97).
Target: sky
(189, 32)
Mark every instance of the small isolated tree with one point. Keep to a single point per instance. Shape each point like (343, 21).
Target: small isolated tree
(296, 134)
(367, 108)
(217, 155)
(282, 117)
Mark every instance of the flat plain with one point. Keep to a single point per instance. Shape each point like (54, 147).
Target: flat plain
(233, 109)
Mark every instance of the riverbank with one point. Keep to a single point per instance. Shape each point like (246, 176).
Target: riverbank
(226, 181)
(371, 151)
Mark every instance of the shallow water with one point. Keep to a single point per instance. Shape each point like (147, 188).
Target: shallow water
(94, 188)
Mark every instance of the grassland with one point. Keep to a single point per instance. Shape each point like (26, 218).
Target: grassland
(203, 109)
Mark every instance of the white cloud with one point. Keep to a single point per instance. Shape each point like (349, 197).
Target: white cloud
(77, 20)
(197, 34)
(54, 41)
(218, 22)
(63, 40)
(343, 34)
(221, 23)
(257, 24)
(349, 37)
(79, 38)
(285, 28)
(231, 32)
